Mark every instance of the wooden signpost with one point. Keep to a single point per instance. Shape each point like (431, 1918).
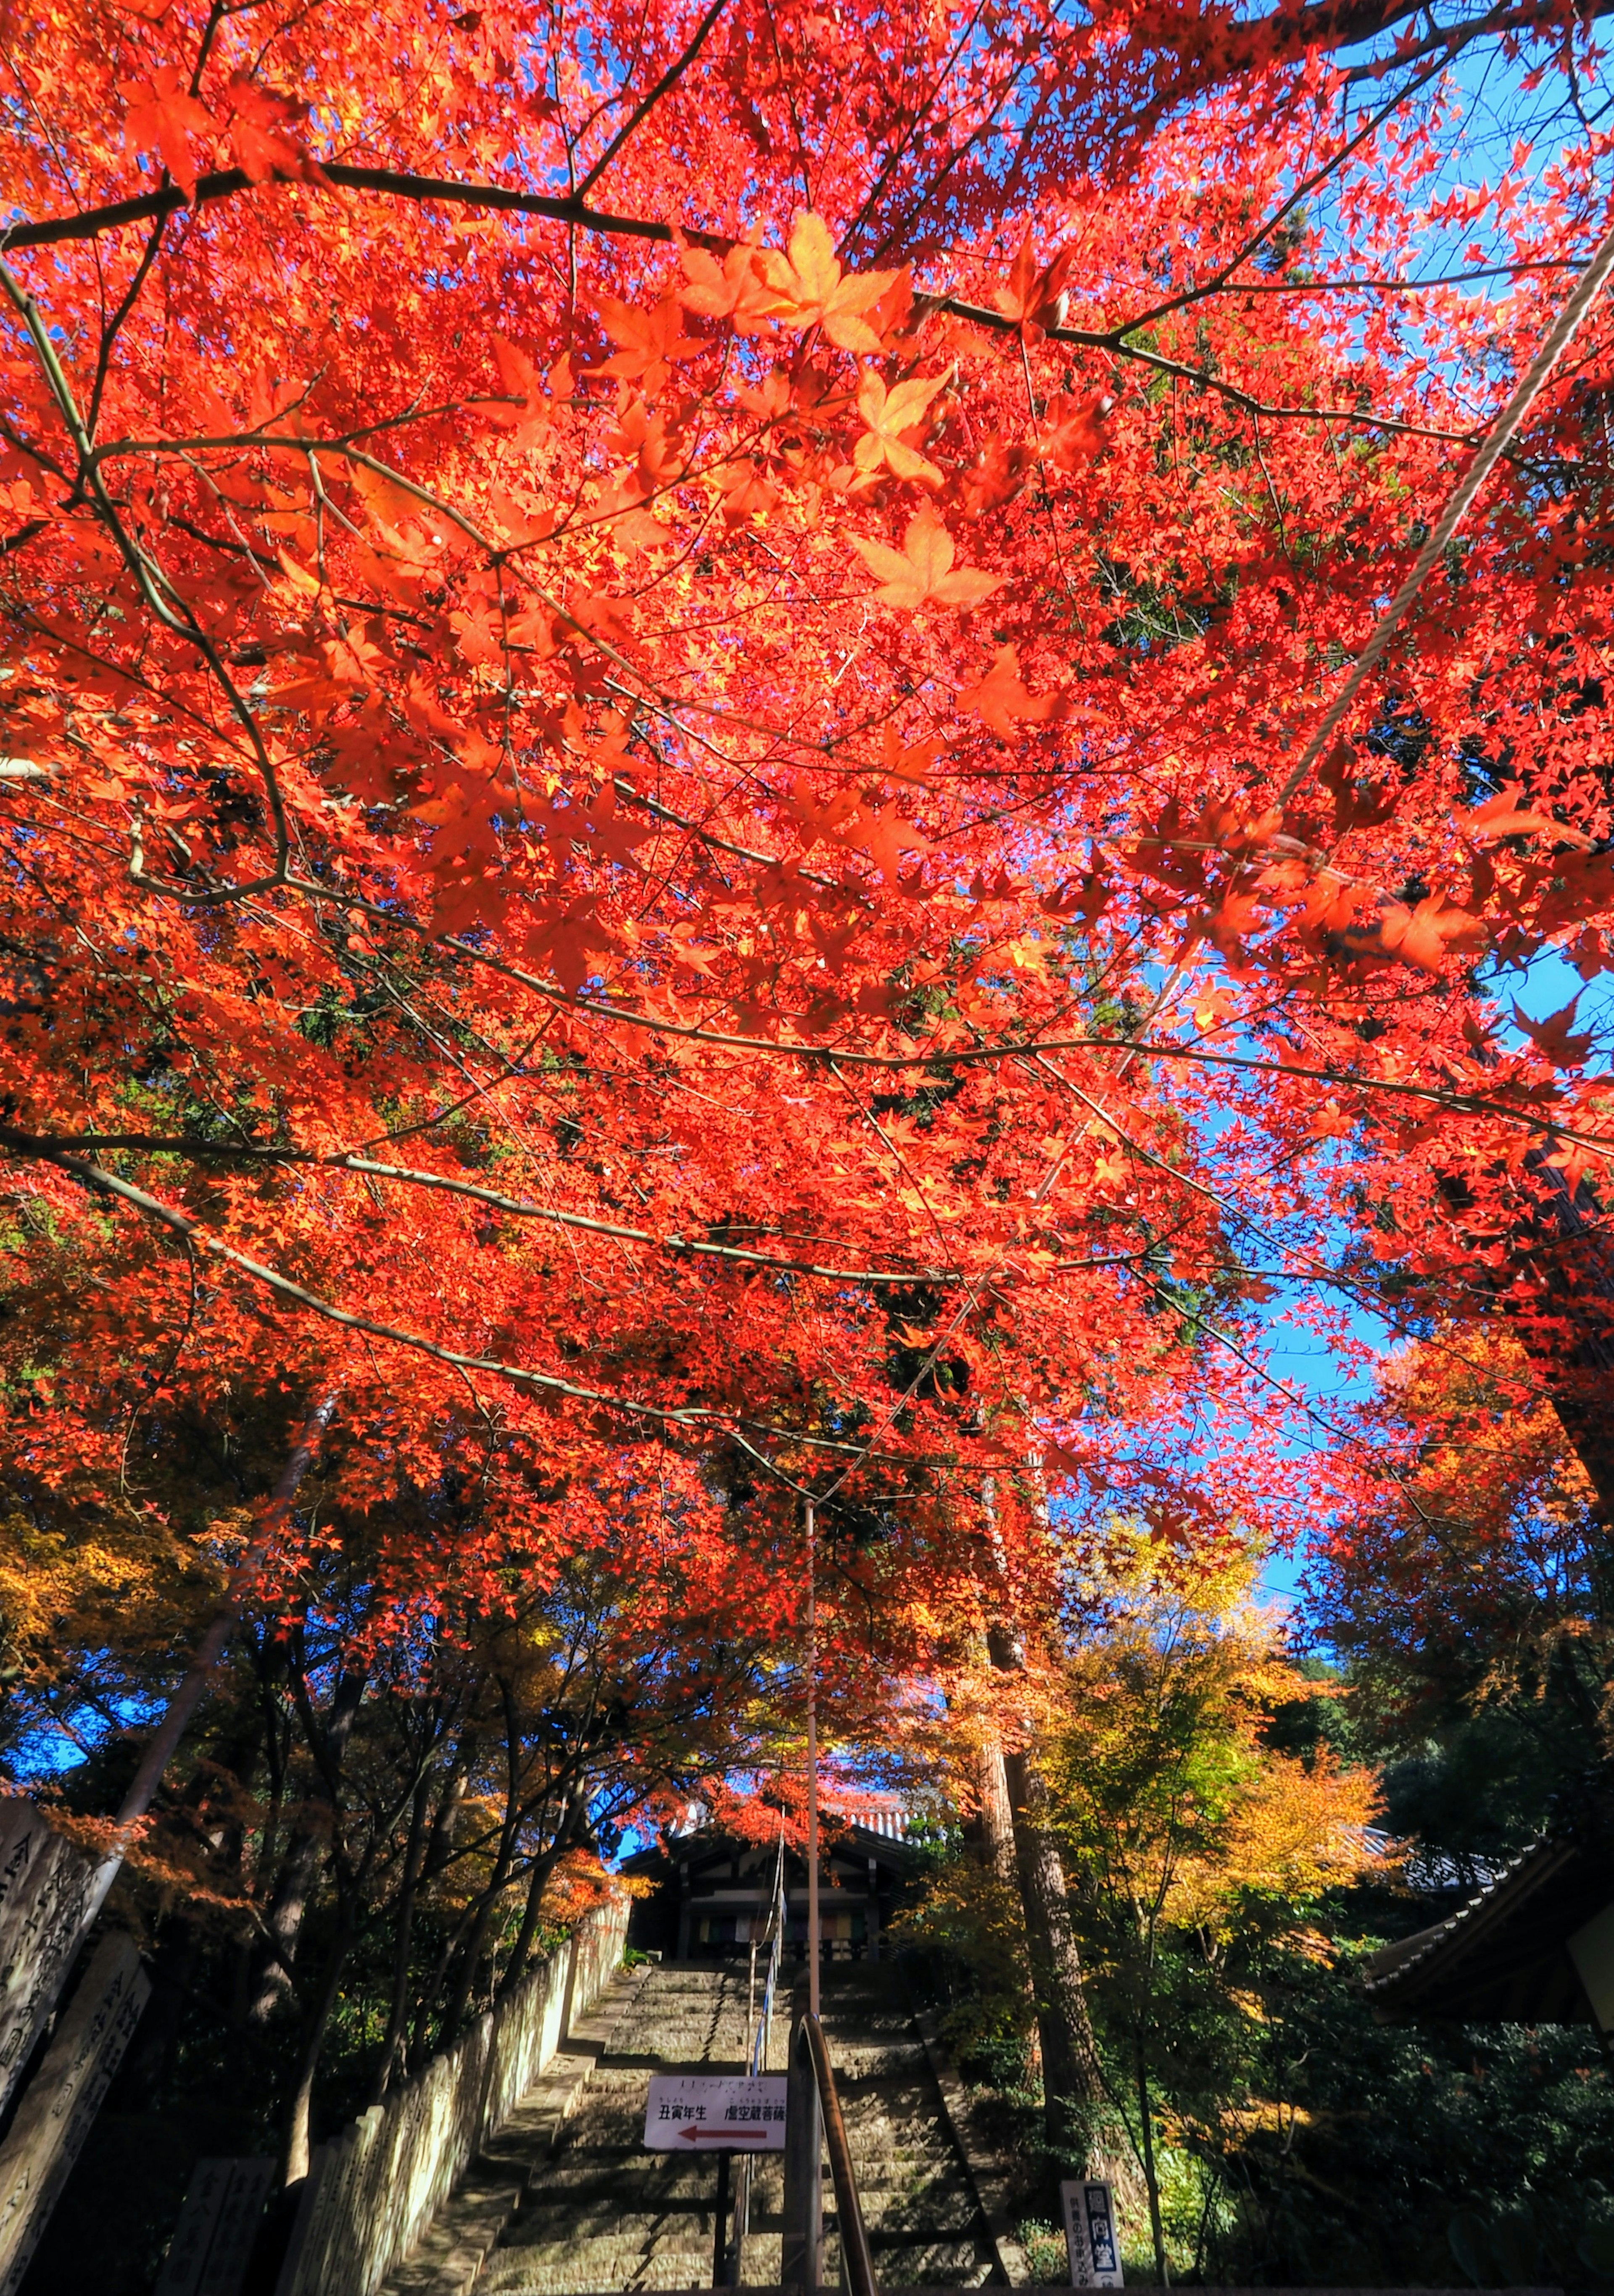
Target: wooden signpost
(213, 2240)
(1089, 2234)
(722, 2114)
(50, 1892)
(63, 2098)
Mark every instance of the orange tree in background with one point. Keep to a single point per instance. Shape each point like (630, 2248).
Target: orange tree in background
(654, 672)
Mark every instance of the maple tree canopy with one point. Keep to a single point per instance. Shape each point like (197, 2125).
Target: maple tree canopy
(665, 799)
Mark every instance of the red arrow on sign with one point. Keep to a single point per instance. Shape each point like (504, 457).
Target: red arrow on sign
(734, 2136)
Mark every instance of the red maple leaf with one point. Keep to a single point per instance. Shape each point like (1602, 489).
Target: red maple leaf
(162, 117)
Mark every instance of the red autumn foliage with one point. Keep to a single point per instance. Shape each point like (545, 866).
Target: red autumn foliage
(650, 804)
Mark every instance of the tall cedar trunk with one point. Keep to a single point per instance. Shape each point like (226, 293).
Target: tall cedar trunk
(992, 1836)
(1077, 2107)
(271, 1963)
(1070, 2056)
(1077, 2104)
(997, 1820)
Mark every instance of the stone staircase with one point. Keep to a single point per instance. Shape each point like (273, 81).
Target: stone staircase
(566, 2203)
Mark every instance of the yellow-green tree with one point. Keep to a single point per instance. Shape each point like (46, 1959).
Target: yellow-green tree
(1193, 1844)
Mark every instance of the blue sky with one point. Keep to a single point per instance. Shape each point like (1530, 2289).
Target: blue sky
(1304, 1361)
(1500, 113)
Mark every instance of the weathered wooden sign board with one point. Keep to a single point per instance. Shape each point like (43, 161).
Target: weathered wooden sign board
(63, 2097)
(213, 2240)
(713, 2112)
(50, 1892)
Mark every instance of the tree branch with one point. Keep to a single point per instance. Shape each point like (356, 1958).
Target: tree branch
(689, 1417)
(225, 182)
(642, 111)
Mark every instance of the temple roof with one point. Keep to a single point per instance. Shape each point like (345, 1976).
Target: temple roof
(1531, 1948)
(699, 1843)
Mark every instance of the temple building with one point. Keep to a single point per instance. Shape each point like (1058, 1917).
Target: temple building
(712, 1890)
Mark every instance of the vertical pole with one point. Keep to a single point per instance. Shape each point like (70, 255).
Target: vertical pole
(812, 1767)
(800, 2256)
(800, 2266)
(720, 2241)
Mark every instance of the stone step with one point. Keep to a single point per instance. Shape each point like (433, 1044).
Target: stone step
(601, 2216)
(574, 2182)
(919, 2263)
(548, 2228)
(933, 2210)
(601, 2252)
(506, 2274)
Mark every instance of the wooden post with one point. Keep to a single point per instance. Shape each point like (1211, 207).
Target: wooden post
(800, 2254)
(682, 1953)
(720, 2237)
(50, 1892)
(813, 1946)
(63, 2098)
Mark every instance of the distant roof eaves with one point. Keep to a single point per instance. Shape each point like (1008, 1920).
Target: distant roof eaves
(1491, 1904)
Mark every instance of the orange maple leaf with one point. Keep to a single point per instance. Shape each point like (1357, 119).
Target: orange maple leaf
(1000, 698)
(889, 415)
(1426, 936)
(922, 572)
(908, 764)
(1501, 815)
(533, 418)
(733, 290)
(810, 289)
(1032, 296)
(162, 117)
(1073, 429)
(881, 832)
(652, 342)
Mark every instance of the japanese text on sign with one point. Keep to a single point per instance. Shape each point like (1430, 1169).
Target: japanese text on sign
(743, 2113)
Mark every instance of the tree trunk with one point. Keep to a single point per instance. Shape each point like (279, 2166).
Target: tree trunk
(997, 1820)
(470, 1958)
(1072, 2079)
(1070, 2055)
(403, 1941)
(270, 1980)
(300, 2115)
(531, 1915)
(1078, 2111)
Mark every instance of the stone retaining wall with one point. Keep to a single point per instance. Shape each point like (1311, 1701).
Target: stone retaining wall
(372, 2190)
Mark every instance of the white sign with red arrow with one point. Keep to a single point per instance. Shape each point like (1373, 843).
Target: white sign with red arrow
(734, 2110)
